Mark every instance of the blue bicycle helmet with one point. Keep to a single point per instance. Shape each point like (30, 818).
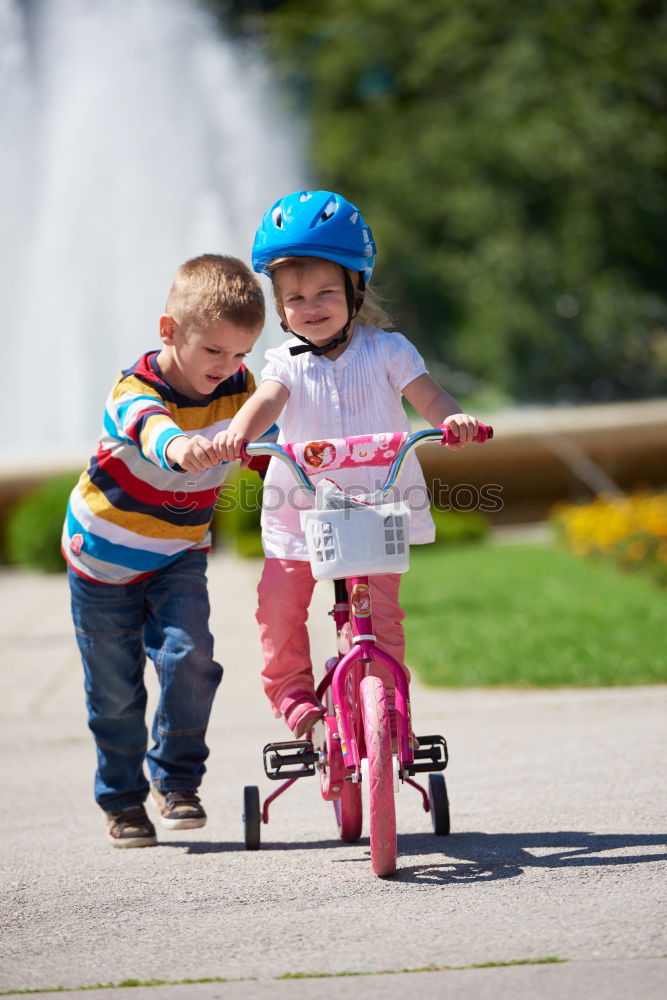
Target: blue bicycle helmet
(315, 224)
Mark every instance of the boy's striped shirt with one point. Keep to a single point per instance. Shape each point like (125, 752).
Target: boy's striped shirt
(131, 513)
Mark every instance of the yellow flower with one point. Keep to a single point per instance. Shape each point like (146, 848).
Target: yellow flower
(632, 529)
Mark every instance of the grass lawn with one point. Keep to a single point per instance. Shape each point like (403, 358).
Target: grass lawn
(530, 615)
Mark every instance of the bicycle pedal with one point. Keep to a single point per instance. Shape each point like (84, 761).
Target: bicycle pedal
(431, 755)
(291, 759)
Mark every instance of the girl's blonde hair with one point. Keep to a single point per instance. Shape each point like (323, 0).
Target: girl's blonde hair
(372, 311)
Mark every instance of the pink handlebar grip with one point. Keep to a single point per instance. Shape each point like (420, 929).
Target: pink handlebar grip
(484, 432)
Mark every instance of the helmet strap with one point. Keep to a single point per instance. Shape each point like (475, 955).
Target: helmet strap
(355, 298)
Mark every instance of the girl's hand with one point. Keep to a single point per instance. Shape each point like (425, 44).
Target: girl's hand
(192, 454)
(228, 445)
(464, 426)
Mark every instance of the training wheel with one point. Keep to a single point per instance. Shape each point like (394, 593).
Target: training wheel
(251, 817)
(437, 797)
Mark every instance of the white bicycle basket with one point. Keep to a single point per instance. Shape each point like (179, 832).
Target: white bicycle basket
(359, 541)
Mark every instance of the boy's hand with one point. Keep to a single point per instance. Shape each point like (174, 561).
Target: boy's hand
(193, 454)
(464, 426)
(228, 445)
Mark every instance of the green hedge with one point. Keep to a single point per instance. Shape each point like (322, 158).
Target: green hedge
(237, 514)
(453, 527)
(35, 524)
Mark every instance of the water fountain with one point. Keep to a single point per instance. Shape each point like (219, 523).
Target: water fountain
(133, 136)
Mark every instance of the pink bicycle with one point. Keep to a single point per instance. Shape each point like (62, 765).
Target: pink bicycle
(363, 739)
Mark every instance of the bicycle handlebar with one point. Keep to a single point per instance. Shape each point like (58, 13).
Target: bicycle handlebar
(484, 433)
(445, 435)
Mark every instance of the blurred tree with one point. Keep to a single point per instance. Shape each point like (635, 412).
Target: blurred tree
(511, 161)
(241, 17)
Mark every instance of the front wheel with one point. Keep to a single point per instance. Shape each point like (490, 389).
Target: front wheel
(251, 817)
(382, 808)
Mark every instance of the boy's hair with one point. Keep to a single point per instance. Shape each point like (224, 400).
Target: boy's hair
(372, 312)
(210, 289)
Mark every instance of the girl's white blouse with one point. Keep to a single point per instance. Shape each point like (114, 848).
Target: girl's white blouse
(358, 393)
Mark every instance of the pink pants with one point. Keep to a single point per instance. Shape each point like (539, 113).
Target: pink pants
(285, 591)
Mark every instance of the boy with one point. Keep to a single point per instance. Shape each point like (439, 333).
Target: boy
(135, 540)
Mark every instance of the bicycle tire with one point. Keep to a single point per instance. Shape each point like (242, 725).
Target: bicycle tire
(252, 817)
(349, 812)
(439, 801)
(382, 808)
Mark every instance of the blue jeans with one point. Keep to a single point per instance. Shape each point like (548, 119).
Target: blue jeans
(164, 616)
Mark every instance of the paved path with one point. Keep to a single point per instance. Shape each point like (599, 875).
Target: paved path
(558, 846)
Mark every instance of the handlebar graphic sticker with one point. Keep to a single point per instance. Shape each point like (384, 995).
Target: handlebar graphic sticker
(347, 453)
(360, 600)
(319, 454)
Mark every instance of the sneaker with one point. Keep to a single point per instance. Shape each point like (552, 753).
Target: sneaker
(302, 716)
(179, 810)
(130, 827)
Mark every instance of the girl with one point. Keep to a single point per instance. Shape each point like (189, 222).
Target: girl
(339, 375)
